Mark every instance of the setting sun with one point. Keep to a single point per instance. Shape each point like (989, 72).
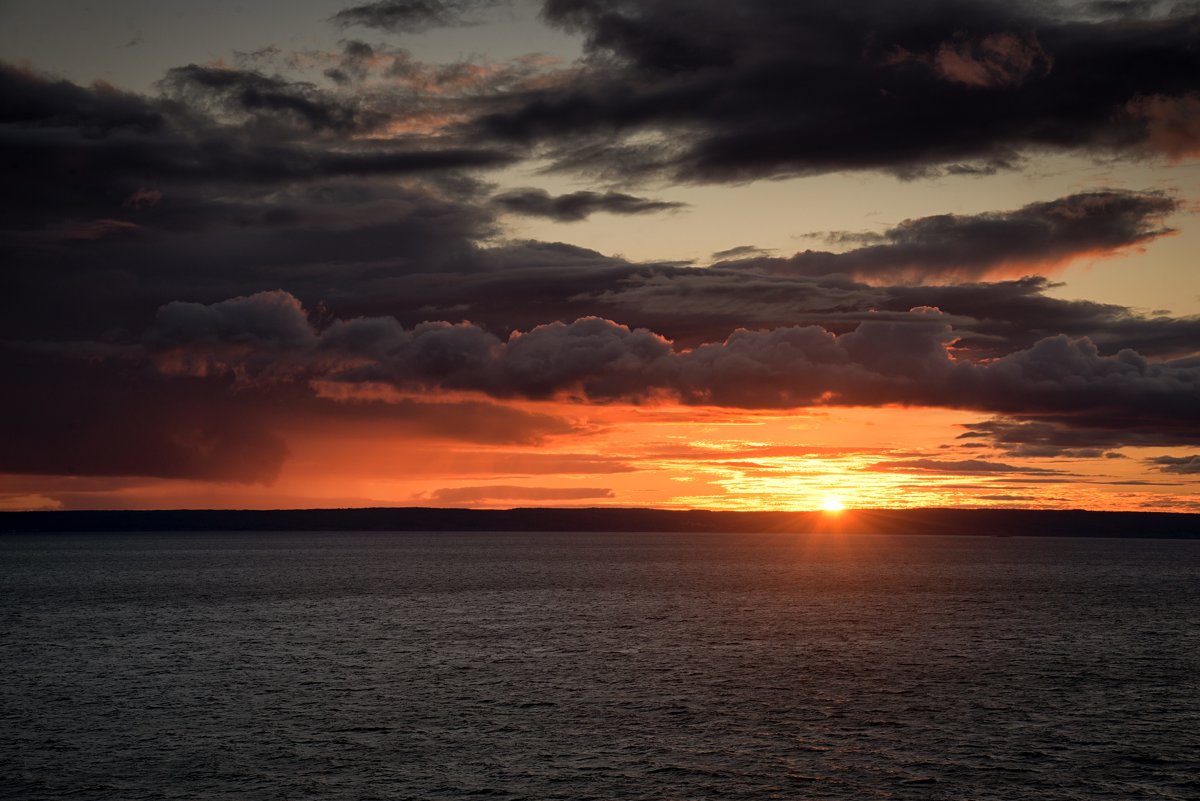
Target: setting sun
(833, 503)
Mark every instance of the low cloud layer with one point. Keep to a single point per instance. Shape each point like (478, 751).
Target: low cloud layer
(268, 337)
(1181, 465)
(477, 495)
(1088, 435)
(964, 467)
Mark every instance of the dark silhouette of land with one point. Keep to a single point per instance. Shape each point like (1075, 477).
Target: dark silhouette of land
(983, 522)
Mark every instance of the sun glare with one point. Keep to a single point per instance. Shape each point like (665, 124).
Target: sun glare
(832, 503)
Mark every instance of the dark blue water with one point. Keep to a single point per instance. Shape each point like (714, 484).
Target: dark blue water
(575, 666)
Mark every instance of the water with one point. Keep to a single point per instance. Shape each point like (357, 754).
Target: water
(576, 666)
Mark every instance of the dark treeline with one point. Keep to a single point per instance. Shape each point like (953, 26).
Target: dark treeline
(984, 522)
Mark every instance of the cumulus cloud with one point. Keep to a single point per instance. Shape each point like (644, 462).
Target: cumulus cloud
(991, 319)
(266, 319)
(594, 359)
(577, 206)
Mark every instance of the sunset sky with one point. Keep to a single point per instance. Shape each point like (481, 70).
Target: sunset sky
(669, 253)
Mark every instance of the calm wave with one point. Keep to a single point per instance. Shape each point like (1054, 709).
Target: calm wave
(575, 666)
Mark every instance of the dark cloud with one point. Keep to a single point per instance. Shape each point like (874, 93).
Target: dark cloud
(1029, 239)
(948, 467)
(355, 63)
(1083, 436)
(120, 204)
(1183, 465)
(992, 61)
(997, 318)
(991, 319)
(129, 421)
(191, 276)
(516, 493)
(577, 205)
(75, 153)
(96, 411)
(116, 204)
(272, 319)
(30, 99)
(410, 16)
(739, 252)
(716, 91)
(247, 95)
(341, 245)
(94, 253)
(879, 362)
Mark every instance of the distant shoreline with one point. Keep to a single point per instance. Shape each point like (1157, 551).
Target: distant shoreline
(980, 522)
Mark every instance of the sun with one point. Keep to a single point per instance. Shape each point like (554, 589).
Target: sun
(832, 503)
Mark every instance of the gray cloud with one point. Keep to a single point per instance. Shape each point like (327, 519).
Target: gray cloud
(950, 467)
(764, 89)
(94, 411)
(1182, 465)
(598, 360)
(1019, 242)
(129, 421)
(577, 206)
(251, 95)
(338, 248)
(410, 16)
(1083, 436)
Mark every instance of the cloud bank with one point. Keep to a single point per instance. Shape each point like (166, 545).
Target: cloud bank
(268, 337)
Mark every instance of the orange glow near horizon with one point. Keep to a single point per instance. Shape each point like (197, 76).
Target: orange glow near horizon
(664, 456)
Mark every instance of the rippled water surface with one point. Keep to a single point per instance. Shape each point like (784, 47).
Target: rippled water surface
(575, 666)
